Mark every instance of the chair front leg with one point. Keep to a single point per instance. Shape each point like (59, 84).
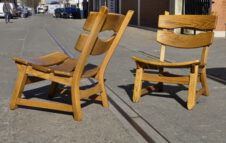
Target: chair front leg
(103, 93)
(138, 85)
(76, 104)
(19, 87)
(191, 101)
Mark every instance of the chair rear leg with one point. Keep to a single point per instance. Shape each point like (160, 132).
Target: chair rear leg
(137, 85)
(52, 90)
(191, 101)
(76, 104)
(19, 87)
(160, 87)
(160, 84)
(204, 82)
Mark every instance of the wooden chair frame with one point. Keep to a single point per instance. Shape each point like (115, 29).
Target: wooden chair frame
(60, 69)
(165, 37)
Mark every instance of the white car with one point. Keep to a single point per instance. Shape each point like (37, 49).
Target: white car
(41, 9)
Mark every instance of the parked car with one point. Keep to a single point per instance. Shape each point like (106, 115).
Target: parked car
(58, 12)
(25, 13)
(30, 10)
(68, 12)
(40, 10)
(71, 12)
(18, 11)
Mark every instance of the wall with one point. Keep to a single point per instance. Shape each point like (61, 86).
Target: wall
(130, 5)
(150, 11)
(219, 7)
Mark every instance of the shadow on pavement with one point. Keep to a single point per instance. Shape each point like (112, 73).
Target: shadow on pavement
(41, 94)
(170, 89)
(217, 74)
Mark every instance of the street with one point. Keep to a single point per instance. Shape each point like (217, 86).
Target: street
(158, 117)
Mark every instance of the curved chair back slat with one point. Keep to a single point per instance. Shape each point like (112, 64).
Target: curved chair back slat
(113, 22)
(169, 38)
(100, 47)
(90, 21)
(202, 22)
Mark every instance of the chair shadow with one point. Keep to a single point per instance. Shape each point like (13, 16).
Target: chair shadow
(172, 94)
(171, 89)
(41, 94)
(217, 74)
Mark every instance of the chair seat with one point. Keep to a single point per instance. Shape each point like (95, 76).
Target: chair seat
(59, 64)
(157, 63)
(48, 60)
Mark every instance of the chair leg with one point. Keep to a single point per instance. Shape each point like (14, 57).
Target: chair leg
(204, 82)
(160, 87)
(76, 104)
(103, 94)
(20, 83)
(137, 85)
(52, 90)
(191, 101)
(160, 84)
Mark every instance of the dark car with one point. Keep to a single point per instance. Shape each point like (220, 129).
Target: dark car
(58, 12)
(18, 11)
(25, 13)
(71, 12)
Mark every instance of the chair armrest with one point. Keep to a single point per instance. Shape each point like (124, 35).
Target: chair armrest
(21, 61)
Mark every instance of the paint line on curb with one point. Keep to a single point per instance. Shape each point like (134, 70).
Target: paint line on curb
(59, 44)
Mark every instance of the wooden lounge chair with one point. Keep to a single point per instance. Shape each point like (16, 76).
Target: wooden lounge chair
(165, 36)
(60, 69)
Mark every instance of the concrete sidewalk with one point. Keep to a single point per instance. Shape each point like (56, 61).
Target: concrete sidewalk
(160, 116)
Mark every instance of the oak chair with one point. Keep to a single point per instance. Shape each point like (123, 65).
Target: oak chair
(60, 69)
(166, 37)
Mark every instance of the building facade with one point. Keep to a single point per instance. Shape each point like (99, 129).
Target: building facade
(147, 11)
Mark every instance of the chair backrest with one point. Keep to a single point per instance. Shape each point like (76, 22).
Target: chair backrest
(96, 23)
(112, 22)
(166, 37)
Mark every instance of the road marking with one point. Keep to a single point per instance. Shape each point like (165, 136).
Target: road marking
(58, 43)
